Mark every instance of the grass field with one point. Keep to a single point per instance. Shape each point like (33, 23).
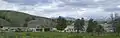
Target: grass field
(61, 35)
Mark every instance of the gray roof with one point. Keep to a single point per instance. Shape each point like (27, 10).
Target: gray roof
(44, 23)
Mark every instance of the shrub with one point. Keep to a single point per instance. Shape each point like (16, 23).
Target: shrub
(75, 36)
(28, 34)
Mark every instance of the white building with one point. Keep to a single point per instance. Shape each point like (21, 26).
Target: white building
(70, 28)
(41, 25)
(107, 27)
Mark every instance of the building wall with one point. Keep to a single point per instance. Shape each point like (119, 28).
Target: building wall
(107, 27)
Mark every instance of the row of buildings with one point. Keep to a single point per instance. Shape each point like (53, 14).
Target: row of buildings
(107, 28)
(69, 28)
(48, 25)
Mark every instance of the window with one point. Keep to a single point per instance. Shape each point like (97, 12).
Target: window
(37, 26)
(38, 29)
(6, 29)
(47, 29)
(1, 26)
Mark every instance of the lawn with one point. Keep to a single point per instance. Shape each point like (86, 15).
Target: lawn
(61, 35)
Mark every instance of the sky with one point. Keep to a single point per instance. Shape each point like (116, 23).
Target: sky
(66, 8)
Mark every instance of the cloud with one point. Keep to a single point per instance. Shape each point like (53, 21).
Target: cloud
(66, 8)
(30, 2)
(112, 9)
(82, 3)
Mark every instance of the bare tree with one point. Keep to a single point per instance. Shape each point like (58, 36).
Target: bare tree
(113, 17)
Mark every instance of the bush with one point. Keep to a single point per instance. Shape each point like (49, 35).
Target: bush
(18, 30)
(28, 34)
(75, 36)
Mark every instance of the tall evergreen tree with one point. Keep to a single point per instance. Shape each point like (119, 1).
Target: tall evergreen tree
(95, 24)
(82, 23)
(117, 28)
(117, 24)
(99, 29)
(79, 25)
(91, 25)
(61, 23)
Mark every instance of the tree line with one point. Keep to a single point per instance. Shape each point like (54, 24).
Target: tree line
(79, 24)
(92, 25)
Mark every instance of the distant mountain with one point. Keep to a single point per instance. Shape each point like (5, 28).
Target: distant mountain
(17, 19)
(67, 18)
(70, 18)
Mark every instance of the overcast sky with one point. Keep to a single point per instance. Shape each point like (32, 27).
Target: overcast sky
(66, 8)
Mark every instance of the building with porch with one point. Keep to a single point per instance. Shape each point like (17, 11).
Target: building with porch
(41, 25)
(70, 28)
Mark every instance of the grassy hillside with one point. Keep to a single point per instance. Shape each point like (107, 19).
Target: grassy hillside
(17, 18)
(4, 22)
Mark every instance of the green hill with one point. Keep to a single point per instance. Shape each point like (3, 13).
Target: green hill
(17, 19)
